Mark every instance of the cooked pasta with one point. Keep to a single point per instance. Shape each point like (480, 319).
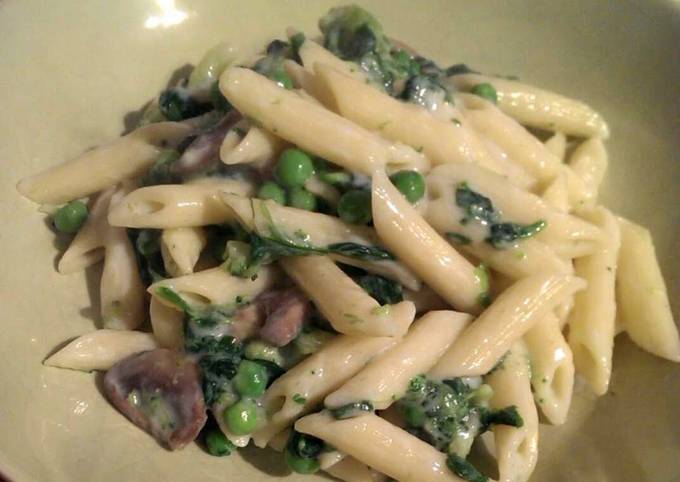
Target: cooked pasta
(104, 166)
(540, 108)
(100, 349)
(516, 447)
(483, 344)
(641, 296)
(176, 206)
(386, 378)
(346, 306)
(87, 247)
(286, 237)
(591, 322)
(181, 248)
(121, 289)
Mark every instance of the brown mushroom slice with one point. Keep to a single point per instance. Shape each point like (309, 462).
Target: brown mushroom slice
(160, 392)
(286, 312)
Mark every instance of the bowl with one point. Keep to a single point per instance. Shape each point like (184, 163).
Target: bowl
(73, 71)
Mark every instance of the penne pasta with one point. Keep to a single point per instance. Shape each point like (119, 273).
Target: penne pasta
(215, 286)
(591, 322)
(589, 163)
(312, 54)
(87, 247)
(562, 231)
(425, 299)
(552, 368)
(166, 324)
(312, 127)
(327, 193)
(539, 108)
(641, 295)
(480, 347)
(556, 193)
(345, 304)
(121, 288)
(181, 248)
(306, 229)
(557, 144)
(300, 389)
(406, 233)
(386, 377)
(176, 206)
(104, 166)
(522, 147)
(516, 447)
(256, 147)
(101, 349)
(443, 141)
(350, 469)
(380, 445)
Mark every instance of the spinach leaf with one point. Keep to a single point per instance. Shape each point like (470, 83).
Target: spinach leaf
(505, 416)
(502, 235)
(384, 291)
(458, 238)
(177, 104)
(479, 207)
(161, 171)
(464, 469)
(354, 34)
(218, 355)
(148, 252)
(305, 446)
(360, 251)
(476, 206)
(351, 410)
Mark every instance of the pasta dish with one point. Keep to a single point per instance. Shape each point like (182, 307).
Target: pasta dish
(338, 249)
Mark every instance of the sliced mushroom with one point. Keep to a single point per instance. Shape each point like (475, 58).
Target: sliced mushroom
(160, 392)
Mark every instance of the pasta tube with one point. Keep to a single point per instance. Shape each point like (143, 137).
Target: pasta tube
(386, 378)
(104, 166)
(510, 316)
(422, 249)
(101, 349)
(312, 127)
(348, 308)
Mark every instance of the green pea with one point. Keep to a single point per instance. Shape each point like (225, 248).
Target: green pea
(355, 207)
(271, 190)
(411, 184)
(414, 416)
(241, 417)
(250, 379)
(299, 464)
(487, 91)
(299, 197)
(282, 78)
(218, 444)
(294, 168)
(69, 218)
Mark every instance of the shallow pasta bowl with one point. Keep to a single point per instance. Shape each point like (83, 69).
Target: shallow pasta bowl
(70, 73)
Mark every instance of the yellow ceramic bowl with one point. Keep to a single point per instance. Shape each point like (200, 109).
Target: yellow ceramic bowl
(70, 70)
